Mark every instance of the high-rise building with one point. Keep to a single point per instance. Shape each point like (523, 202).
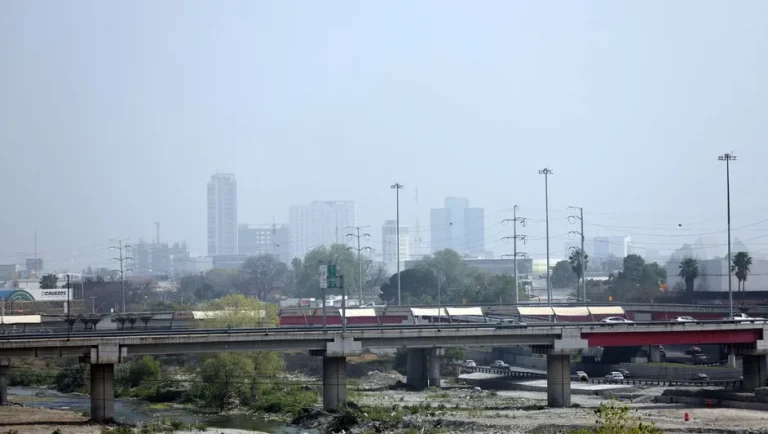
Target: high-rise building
(320, 223)
(34, 265)
(259, 239)
(457, 226)
(606, 247)
(389, 245)
(222, 215)
(158, 259)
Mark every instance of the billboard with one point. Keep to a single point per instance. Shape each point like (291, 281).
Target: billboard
(53, 294)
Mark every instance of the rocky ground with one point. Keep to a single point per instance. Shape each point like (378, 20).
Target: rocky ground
(471, 410)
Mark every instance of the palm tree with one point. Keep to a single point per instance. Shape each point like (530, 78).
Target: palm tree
(689, 271)
(740, 266)
(575, 261)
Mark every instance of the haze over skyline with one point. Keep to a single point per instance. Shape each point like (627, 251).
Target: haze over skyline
(114, 115)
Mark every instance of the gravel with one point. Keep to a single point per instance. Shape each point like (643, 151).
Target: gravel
(380, 380)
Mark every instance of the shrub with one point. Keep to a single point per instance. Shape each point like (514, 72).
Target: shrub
(615, 419)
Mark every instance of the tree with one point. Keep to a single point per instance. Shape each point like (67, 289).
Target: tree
(48, 281)
(562, 275)
(263, 275)
(741, 267)
(417, 286)
(239, 311)
(307, 280)
(632, 267)
(226, 380)
(575, 261)
(689, 271)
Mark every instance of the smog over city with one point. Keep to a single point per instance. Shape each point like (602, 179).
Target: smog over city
(202, 159)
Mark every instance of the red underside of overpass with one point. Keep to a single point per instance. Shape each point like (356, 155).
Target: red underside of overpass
(626, 339)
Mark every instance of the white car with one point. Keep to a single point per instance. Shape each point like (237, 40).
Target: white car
(616, 319)
(684, 319)
(470, 363)
(614, 376)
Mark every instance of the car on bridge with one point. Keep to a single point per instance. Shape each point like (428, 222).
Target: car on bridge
(509, 322)
(684, 319)
(470, 363)
(614, 376)
(499, 364)
(616, 320)
(700, 377)
(580, 376)
(624, 372)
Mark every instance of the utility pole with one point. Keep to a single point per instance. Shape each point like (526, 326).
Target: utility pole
(515, 220)
(397, 187)
(546, 172)
(728, 158)
(359, 249)
(583, 264)
(121, 258)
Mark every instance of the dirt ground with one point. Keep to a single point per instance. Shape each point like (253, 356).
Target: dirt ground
(524, 412)
(28, 420)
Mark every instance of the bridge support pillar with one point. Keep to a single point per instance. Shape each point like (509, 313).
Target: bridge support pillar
(5, 364)
(416, 368)
(731, 360)
(654, 354)
(559, 380)
(434, 378)
(334, 382)
(755, 369)
(102, 392)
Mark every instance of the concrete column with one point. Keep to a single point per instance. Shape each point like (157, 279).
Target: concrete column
(102, 392)
(559, 380)
(334, 382)
(731, 360)
(5, 364)
(755, 372)
(416, 368)
(434, 367)
(654, 354)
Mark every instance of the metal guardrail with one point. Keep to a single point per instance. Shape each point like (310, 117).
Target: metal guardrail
(504, 372)
(733, 384)
(668, 383)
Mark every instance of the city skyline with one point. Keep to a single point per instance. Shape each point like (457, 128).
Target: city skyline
(129, 137)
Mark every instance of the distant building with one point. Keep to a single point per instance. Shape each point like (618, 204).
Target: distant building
(259, 239)
(229, 262)
(34, 265)
(319, 223)
(606, 247)
(157, 259)
(9, 272)
(222, 214)
(458, 227)
(713, 276)
(389, 245)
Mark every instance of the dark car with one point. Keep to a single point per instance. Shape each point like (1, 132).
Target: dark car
(692, 351)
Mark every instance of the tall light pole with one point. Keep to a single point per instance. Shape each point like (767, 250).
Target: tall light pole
(359, 249)
(515, 219)
(583, 265)
(546, 172)
(397, 187)
(728, 158)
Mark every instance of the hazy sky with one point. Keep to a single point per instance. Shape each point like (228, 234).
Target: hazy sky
(114, 115)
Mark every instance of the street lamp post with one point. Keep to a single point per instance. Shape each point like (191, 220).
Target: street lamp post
(397, 187)
(546, 172)
(728, 158)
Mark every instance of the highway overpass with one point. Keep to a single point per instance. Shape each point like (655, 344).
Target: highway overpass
(424, 343)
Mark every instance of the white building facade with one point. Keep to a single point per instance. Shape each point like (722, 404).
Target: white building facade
(389, 245)
(222, 215)
(320, 223)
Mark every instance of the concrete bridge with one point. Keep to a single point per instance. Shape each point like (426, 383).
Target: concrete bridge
(424, 343)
